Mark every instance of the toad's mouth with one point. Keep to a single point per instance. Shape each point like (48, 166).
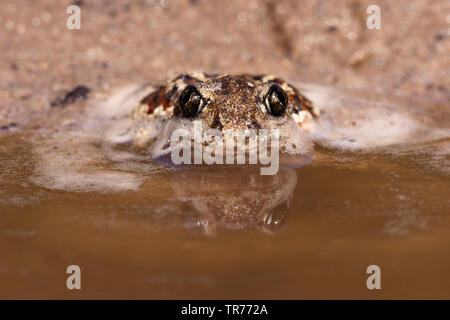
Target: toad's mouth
(188, 143)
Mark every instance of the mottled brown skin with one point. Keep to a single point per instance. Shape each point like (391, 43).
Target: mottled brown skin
(230, 101)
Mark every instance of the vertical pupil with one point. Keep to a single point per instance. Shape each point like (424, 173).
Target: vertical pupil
(190, 101)
(277, 100)
(280, 96)
(187, 95)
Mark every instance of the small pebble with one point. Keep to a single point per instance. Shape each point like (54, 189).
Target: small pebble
(76, 95)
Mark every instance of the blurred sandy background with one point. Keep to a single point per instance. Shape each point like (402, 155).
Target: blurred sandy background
(124, 42)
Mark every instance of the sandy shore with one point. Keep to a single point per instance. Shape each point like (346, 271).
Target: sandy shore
(134, 41)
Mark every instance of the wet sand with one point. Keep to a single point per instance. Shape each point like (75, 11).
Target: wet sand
(136, 41)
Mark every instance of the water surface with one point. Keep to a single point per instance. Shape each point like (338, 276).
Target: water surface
(308, 232)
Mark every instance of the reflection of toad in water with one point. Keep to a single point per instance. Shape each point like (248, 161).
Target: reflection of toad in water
(234, 198)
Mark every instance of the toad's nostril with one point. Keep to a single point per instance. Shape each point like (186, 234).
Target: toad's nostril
(216, 123)
(254, 125)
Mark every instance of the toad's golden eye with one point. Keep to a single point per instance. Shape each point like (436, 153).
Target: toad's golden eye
(190, 102)
(276, 101)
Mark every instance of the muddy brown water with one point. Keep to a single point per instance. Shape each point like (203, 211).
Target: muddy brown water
(309, 232)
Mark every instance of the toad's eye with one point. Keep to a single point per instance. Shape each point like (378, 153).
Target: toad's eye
(190, 102)
(276, 101)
